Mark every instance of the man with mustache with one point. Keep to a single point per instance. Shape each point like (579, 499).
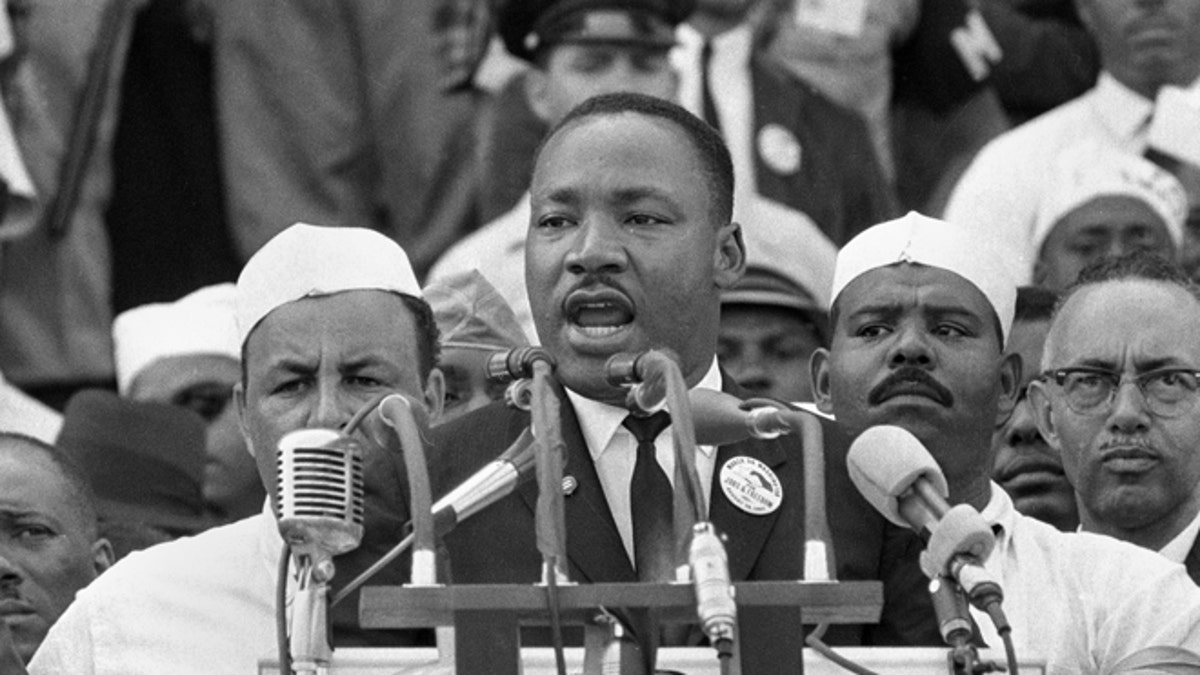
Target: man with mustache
(629, 247)
(1025, 465)
(1130, 451)
(921, 313)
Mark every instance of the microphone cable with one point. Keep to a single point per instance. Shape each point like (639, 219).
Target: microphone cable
(281, 634)
(814, 640)
(1000, 621)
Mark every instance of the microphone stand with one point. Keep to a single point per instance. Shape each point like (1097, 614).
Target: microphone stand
(696, 539)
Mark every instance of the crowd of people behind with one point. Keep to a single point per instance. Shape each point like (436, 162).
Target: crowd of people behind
(224, 221)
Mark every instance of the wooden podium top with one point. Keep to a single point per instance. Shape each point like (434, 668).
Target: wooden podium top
(426, 606)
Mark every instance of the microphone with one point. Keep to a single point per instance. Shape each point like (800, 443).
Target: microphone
(898, 476)
(715, 606)
(515, 364)
(320, 501)
(495, 480)
(722, 419)
(320, 492)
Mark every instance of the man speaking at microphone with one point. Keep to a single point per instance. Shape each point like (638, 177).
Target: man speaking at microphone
(630, 244)
(921, 310)
(328, 319)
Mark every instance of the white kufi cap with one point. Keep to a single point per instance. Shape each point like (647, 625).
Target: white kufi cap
(307, 261)
(922, 240)
(1088, 171)
(198, 323)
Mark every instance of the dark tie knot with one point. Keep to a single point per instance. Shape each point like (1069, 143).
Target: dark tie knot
(646, 429)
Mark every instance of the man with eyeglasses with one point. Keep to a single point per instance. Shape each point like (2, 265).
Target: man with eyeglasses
(1119, 398)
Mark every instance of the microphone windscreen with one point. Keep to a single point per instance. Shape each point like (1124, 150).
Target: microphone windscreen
(886, 460)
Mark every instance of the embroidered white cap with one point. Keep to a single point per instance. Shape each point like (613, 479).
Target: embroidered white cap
(921, 240)
(200, 322)
(307, 261)
(1088, 171)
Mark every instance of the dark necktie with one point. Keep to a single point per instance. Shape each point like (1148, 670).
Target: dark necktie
(710, 106)
(652, 502)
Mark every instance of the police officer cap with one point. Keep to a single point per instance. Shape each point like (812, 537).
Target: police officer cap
(529, 25)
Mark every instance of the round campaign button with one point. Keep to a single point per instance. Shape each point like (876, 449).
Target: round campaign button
(568, 485)
(779, 149)
(751, 486)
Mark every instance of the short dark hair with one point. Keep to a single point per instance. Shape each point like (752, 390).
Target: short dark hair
(714, 155)
(1139, 264)
(81, 496)
(1034, 303)
(429, 349)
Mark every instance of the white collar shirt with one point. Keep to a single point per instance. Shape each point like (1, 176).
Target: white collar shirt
(732, 91)
(1178, 548)
(614, 453)
(1083, 602)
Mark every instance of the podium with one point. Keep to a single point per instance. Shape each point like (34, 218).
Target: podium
(487, 618)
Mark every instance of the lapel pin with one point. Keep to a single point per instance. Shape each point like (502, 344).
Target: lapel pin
(569, 484)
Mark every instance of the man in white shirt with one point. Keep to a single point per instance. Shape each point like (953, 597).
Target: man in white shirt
(328, 319)
(1130, 451)
(1143, 48)
(920, 322)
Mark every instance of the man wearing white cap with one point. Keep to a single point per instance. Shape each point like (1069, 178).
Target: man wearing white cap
(920, 319)
(327, 319)
(186, 353)
(1146, 98)
(1105, 202)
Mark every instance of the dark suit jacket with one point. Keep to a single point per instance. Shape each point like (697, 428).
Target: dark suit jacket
(1192, 561)
(498, 545)
(839, 184)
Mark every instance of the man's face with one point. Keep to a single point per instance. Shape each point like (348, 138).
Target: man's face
(1146, 44)
(766, 350)
(624, 251)
(1105, 226)
(314, 362)
(203, 383)
(573, 73)
(1028, 469)
(47, 551)
(1131, 467)
(467, 384)
(917, 347)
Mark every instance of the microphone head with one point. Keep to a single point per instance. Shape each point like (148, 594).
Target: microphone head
(320, 491)
(516, 363)
(886, 460)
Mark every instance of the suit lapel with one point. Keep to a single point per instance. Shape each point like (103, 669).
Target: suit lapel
(746, 533)
(1192, 561)
(594, 547)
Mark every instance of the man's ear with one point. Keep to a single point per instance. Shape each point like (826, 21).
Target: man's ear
(435, 394)
(1043, 413)
(729, 261)
(239, 400)
(103, 556)
(818, 367)
(1083, 8)
(1010, 386)
(537, 84)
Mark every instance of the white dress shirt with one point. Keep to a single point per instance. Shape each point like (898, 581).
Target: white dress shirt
(1001, 191)
(730, 84)
(1084, 601)
(614, 452)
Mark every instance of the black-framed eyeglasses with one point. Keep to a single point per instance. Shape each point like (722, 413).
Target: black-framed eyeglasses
(1168, 392)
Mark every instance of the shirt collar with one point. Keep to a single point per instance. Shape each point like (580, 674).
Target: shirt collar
(1120, 108)
(599, 422)
(1178, 548)
(1000, 514)
(731, 46)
